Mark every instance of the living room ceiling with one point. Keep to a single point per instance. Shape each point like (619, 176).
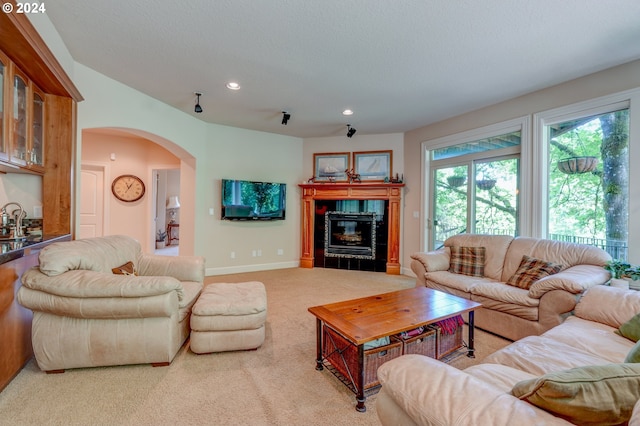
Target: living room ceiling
(398, 65)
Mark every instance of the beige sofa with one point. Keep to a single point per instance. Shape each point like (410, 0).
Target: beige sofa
(506, 310)
(417, 390)
(84, 315)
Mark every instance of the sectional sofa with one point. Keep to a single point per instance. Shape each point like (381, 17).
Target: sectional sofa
(579, 372)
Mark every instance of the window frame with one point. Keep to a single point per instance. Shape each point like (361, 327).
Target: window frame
(521, 124)
(540, 165)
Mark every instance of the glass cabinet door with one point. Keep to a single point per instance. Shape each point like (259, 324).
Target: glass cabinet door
(19, 115)
(36, 151)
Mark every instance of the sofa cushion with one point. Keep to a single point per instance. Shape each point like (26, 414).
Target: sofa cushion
(496, 245)
(630, 329)
(500, 376)
(591, 337)
(531, 270)
(463, 283)
(467, 261)
(565, 254)
(596, 394)
(531, 354)
(504, 293)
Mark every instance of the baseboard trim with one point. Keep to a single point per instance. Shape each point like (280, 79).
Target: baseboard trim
(251, 268)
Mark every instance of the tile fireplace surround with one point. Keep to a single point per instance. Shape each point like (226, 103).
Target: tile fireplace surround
(392, 192)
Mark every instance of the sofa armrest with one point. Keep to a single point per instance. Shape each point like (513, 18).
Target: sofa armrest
(575, 279)
(431, 392)
(87, 284)
(608, 305)
(433, 261)
(183, 268)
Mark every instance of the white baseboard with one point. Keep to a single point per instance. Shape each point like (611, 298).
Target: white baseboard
(251, 268)
(408, 271)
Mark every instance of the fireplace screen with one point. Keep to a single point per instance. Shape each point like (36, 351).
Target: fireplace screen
(351, 235)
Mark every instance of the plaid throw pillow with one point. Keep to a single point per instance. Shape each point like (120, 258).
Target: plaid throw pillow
(531, 270)
(467, 261)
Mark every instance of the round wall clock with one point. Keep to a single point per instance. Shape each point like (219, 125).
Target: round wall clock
(128, 188)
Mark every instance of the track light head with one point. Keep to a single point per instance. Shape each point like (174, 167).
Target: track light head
(285, 117)
(351, 131)
(198, 108)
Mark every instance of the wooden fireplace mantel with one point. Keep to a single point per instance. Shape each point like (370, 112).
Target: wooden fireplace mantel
(352, 191)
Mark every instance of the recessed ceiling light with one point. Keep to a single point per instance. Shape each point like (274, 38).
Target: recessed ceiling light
(232, 85)
(347, 112)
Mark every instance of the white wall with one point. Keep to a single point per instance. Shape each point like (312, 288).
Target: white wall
(217, 152)
(25, 189)
(611, 81)
(358, 143)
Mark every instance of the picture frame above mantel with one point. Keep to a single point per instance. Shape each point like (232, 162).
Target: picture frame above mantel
(373, 166)
(331, 166)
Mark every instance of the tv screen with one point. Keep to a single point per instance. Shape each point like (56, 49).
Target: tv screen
(247, 200)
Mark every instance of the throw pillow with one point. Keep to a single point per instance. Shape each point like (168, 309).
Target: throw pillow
(590, 395)
(126, 269)
(531, 270)
(630, 329)
(634, 353)
(467, 261)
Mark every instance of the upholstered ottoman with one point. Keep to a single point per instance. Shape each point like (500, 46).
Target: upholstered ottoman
(229, 317)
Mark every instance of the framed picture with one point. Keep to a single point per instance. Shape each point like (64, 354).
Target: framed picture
(331, 166)
(373, 165)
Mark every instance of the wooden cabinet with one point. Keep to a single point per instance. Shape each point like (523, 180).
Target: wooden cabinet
(23, 115)
(52, 96)
(15, 321)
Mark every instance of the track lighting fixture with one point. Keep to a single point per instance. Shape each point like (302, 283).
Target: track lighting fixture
(198, 108)
(285, 117)
(350, 130)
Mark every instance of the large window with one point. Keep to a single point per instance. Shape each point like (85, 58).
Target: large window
(588, 180)
(475, 187)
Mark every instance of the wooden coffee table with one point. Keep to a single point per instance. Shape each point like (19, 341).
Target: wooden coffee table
(370, 318)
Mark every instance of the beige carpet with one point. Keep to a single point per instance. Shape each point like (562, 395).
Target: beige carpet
(275, 385)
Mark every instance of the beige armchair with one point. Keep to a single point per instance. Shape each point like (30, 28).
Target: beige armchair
(85, 315)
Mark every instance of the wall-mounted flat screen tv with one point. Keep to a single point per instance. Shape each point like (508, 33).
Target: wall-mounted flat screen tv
(248, 200)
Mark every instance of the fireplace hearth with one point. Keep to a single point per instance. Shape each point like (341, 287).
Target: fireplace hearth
(350, 235)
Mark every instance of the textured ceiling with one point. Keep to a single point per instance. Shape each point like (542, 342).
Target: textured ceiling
(398, 64)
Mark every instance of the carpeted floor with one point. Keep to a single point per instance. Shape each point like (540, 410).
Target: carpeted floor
(275, 385)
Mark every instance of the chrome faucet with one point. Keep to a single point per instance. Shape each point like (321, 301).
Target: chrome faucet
(17, 226)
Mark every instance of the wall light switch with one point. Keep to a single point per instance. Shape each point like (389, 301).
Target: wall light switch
(416, 215)
(210, 211)
(37, 212)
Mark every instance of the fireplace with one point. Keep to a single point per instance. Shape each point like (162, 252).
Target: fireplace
(318, 198)
(350, 235)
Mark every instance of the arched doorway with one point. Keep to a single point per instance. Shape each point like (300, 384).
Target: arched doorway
(119, 151)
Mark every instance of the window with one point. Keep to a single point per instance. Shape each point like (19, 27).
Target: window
(475, 187)
(588, 180)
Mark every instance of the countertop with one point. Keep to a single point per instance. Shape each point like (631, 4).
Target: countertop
(10, 250)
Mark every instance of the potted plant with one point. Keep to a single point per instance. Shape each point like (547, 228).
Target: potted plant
(619, 274)
(161, 236)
